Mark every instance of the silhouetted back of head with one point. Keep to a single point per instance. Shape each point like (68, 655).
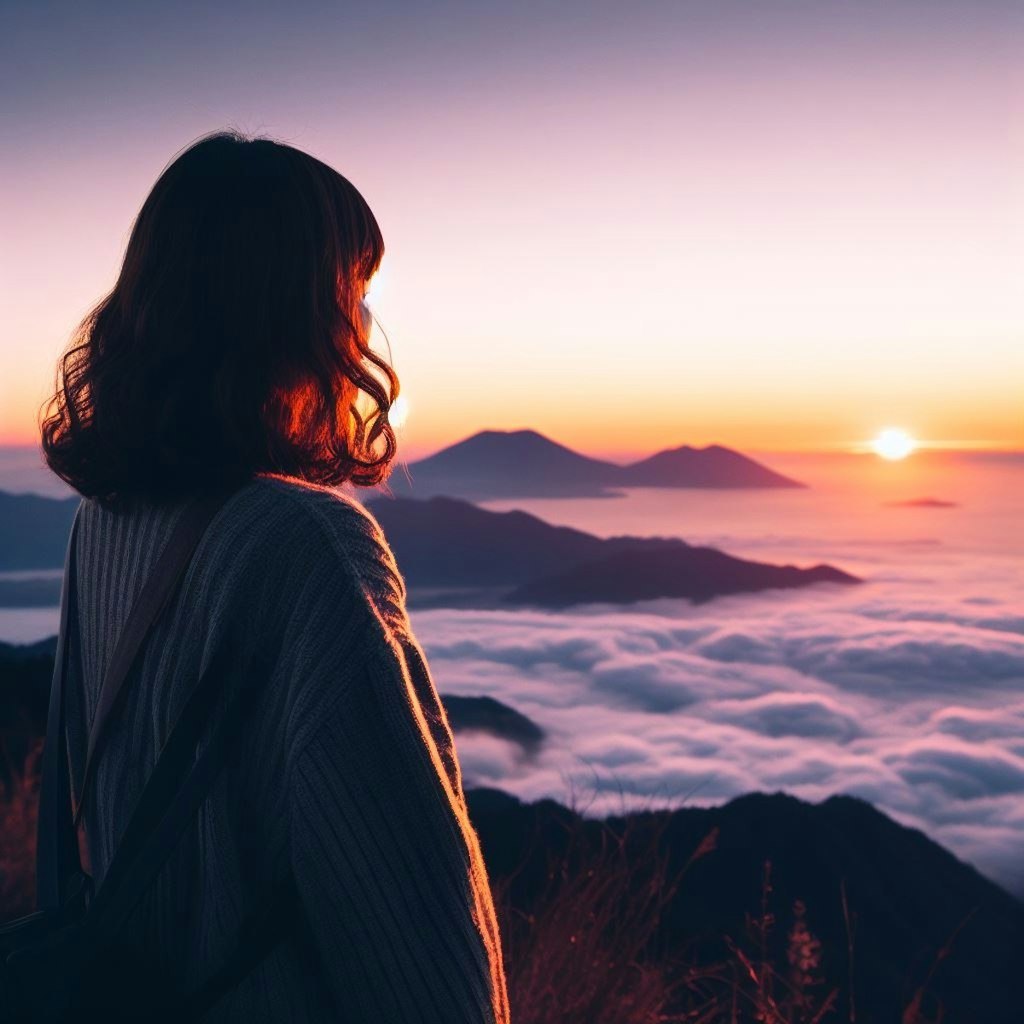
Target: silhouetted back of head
(233, 341)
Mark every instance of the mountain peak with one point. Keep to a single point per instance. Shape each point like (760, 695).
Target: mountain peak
(711, 466)
(517, 432)
(524, 439)
(525, 463)
(502, 463)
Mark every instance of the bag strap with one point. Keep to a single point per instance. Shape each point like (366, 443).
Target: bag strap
(167, 804)
(145, 612)
(163, 811)
(57, 856)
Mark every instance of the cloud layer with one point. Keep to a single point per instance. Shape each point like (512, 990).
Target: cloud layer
(901, 695)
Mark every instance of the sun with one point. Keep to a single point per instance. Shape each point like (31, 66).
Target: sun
(399, 412)
(893, 444)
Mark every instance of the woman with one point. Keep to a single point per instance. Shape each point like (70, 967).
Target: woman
(233, 352)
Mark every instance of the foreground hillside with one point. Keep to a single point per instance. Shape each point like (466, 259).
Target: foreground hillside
(769, 907)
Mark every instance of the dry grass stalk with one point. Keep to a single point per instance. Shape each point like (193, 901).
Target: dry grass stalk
(582, 955)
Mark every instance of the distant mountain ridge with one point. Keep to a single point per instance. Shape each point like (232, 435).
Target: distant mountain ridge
(452, 552)
(526, 464)
(34, 530)
(646, 574)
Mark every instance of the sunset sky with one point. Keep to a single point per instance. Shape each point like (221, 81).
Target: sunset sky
(769, 225)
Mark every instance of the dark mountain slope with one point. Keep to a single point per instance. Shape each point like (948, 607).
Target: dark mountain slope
(34, 530)
(696, 574)
(907, 895)
(448, 543)
(485, 714)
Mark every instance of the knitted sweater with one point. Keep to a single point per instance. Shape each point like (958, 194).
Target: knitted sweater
(346, 777)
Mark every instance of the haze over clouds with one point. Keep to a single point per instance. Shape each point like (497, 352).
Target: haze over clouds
(909, 700)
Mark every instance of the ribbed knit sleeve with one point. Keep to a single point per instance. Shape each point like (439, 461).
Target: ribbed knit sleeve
(388, 866)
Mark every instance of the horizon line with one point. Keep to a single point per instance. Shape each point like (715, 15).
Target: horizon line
(858, 447)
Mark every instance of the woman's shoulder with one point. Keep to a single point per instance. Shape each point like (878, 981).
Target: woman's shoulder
(328, 528)
(325, 514)
(275, 536)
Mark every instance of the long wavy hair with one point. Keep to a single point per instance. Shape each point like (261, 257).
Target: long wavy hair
(235, 340)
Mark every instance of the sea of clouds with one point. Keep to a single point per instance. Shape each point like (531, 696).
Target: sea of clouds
(907, 690)
(893, 691)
